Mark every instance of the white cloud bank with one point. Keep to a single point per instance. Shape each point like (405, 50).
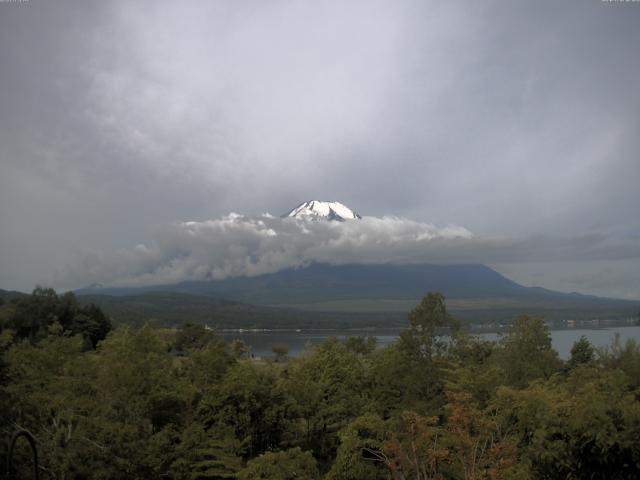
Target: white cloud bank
(237, 245)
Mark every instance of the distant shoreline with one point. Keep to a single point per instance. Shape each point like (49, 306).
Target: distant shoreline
(392, 330)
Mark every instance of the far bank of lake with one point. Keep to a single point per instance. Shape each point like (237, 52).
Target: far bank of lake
(297, 341)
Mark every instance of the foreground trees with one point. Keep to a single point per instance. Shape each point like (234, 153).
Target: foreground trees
(34, 316)
(584, 426)
(181, 404)
(292, 464)
(525, 352)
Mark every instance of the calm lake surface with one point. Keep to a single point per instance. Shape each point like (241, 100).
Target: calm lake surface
(261, 342)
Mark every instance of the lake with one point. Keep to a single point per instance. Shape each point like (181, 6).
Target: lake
(262, 341)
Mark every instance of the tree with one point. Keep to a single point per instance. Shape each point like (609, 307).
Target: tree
(425, 320)
(472, 368)
(360, 454)
(398, 383)
(415, 449)
(47, 393)
(582, 353)
(32, 316)
(525, 352)
(329, 387)
(479, 448)
(206, 455)
(280, 350)
(140, 397)
(91, 323)
(409, 373)
(205, 367)
(624, 357)
(292, 464)
(35, 312)
(581, 426)
(361, 345)
(250, 402)
(192, 336)
(470, 445)
(239, 348)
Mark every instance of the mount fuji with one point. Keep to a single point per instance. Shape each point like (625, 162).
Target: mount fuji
(323, 294)
(317, 209)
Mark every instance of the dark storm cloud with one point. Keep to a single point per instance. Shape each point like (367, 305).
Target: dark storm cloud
(517, 120)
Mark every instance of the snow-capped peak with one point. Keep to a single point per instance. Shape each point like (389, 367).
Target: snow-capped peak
(315, 209)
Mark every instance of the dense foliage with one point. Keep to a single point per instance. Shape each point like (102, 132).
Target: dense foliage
(163, 403)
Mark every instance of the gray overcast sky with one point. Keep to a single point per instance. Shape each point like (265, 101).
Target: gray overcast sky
(519, 121)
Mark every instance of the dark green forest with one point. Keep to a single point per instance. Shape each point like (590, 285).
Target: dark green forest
(179, 403)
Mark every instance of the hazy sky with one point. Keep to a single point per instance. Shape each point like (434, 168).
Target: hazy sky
(517, 121)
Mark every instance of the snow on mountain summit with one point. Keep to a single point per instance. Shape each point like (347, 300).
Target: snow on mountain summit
(316, 209)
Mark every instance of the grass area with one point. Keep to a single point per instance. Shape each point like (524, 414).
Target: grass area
(170, 308)
(367, 305)
(363, 305)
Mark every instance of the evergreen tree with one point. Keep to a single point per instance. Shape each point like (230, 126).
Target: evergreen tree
(582, 353)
